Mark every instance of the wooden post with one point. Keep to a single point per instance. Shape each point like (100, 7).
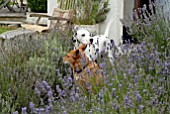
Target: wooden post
(137, 6)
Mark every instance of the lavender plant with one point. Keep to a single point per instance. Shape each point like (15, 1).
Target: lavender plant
(151, 24)
(26, 60)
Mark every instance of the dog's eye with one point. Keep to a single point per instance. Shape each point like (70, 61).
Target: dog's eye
(83, 35)
(76, 34)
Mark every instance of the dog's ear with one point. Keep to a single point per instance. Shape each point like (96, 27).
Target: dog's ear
(83, 47)
(77, 52)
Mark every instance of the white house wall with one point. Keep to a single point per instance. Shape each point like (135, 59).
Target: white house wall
(128, 8)
(115, 14)
(51, 5)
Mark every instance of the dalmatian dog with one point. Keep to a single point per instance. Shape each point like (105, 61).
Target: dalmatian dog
(96, 45)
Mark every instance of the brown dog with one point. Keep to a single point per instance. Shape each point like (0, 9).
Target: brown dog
(86, 72)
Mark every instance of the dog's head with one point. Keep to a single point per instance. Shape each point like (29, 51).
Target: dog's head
(81, 36)
(74, 57)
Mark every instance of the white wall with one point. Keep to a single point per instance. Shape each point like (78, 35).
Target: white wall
(128, 8)
(115, 14)
(51, 5)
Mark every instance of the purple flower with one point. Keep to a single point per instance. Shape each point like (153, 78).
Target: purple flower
(140, 108)
(114, 72)
(47, 111)
(88, 72)
(154, 102)
(102, 65)
(50, 99)
(138, 97)
(77, 96)
(83, 61)
(58, 88)
(159, 92)
(131, 71)
(113, 92)
(127, 101)
(136, 78)
(157, 61)
(38, 110)
(114, 105)
(49, 93)
(70, 80)
(62, 93)
(64, 112)
(49, 107)
(90, 112)
(45, 84)
(31, 105)
(24, 110)
(72, 98)
(120, 86)
(48, 88)
(150, 7)
(37, 91)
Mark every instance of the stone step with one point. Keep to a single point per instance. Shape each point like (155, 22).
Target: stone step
(11, 23)
(16, 33)
(9, 16)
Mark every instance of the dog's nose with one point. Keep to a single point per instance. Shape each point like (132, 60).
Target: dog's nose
(91, 41)
(73, 39)
(112, 41)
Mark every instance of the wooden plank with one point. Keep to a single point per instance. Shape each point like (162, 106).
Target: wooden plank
(39, 15)
(59, 19)
(35, 27)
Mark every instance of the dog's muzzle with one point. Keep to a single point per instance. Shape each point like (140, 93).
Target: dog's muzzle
(91, 41)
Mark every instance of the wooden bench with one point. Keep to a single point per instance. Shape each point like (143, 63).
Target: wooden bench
(58, 20)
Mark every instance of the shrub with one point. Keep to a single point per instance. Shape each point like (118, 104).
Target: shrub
(39, 6)
(88, 12)
(91, 12)
(152, 26)
(16, 86)
(25, 63)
